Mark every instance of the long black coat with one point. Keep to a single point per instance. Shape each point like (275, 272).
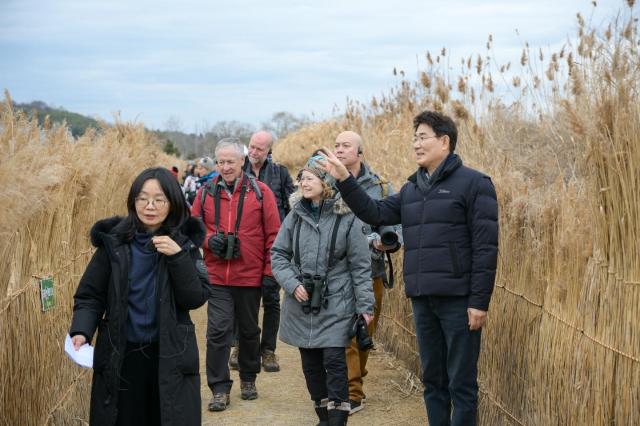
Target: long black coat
(101, 303)
(450, 231)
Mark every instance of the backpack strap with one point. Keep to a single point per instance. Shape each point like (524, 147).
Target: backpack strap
(384, 185)
(254, 185)
(211, 189)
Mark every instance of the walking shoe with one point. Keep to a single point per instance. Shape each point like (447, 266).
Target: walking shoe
(233, 359)
(356, 406)
(270, 361)
(338, 414)
(321, 411)
(248, 390)
(219, 402)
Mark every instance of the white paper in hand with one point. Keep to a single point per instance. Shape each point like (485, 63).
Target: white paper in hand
(83, 356)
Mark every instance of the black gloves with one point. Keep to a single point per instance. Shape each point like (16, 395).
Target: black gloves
(217, 245)
(224, 246)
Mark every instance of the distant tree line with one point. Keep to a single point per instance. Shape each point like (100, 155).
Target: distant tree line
(173, 140)
(201, 143)
(77, 123)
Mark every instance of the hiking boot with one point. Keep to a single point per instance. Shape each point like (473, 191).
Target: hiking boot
(219, 402)
(270, 361)
(321, 412)
(233, 359)
(248, 390)
(356, 406)
(338, 414)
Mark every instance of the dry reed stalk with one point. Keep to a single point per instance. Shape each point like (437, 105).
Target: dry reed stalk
(562, 345)
(53, 190)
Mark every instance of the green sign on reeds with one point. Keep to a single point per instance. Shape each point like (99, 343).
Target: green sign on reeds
(46, 294)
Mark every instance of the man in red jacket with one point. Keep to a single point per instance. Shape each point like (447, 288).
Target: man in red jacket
(241, 218)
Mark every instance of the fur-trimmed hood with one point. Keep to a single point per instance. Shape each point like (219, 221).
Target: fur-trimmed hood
(339, 206)
(193, 229)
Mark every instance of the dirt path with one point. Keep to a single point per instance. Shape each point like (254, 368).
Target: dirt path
(392, 396)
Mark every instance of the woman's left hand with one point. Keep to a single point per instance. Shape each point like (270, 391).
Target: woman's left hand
(166, 245)
(367, 318)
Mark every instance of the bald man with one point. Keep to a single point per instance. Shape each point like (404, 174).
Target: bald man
(277, 178)
(349, 150)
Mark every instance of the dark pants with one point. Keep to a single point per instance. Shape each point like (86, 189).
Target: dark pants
(270, 319)
(449, 354)
(325, 371)
(229, 304)
(139, 395)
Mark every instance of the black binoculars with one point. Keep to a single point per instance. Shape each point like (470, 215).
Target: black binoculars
(314, 285)
(225, 246)
(363, 340)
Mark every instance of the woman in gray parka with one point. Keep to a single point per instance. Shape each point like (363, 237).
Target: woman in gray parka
(318, 320)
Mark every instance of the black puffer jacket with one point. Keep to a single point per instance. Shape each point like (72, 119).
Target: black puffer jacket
(450, 231)
(101, 303)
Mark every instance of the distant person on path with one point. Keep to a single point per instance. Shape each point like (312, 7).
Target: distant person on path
(321, 259)
(190, 186)
(241, 219)
(277, 178)
(206, 170)
(449, 217)
(349, 150)
(137, 290)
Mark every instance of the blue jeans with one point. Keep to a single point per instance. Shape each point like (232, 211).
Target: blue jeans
(449, 354)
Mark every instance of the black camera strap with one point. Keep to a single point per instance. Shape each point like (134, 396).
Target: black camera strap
(216, 202)
(332, 246)
(389, 282)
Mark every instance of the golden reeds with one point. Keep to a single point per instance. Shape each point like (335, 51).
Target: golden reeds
(562, 345)
(53, 189)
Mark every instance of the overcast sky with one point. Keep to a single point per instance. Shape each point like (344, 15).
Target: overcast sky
(206, 61)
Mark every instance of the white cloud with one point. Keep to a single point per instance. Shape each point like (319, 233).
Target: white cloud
(199, 60)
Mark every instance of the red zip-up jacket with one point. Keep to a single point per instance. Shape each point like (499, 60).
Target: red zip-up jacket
(258, 229)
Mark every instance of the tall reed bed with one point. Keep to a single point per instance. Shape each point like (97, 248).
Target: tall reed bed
(53, 188)
(559, 132)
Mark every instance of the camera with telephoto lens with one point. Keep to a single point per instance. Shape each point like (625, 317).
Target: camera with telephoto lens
(225, 246)
(389, 238)
(359, 330)
(314, 285)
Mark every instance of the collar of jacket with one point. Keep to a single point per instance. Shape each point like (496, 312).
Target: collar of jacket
(336, 203)
(103, 232)
(366, 174)
(223, 185)
(451, 163)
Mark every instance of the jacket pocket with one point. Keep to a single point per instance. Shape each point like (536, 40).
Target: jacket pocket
(455, 259)
(187, 359)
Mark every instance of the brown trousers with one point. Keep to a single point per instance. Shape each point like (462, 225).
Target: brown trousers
(356, 359)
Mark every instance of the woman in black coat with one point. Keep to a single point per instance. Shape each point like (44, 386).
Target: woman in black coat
(145, 276)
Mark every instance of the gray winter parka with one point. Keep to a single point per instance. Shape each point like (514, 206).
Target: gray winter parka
(349, 288)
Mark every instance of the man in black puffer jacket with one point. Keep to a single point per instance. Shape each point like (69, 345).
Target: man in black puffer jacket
(449, 217)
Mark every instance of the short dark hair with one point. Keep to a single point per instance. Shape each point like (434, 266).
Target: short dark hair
(178, 208)
(441, 125)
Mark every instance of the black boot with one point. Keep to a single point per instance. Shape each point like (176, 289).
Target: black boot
(338, 414)
(321, 411)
